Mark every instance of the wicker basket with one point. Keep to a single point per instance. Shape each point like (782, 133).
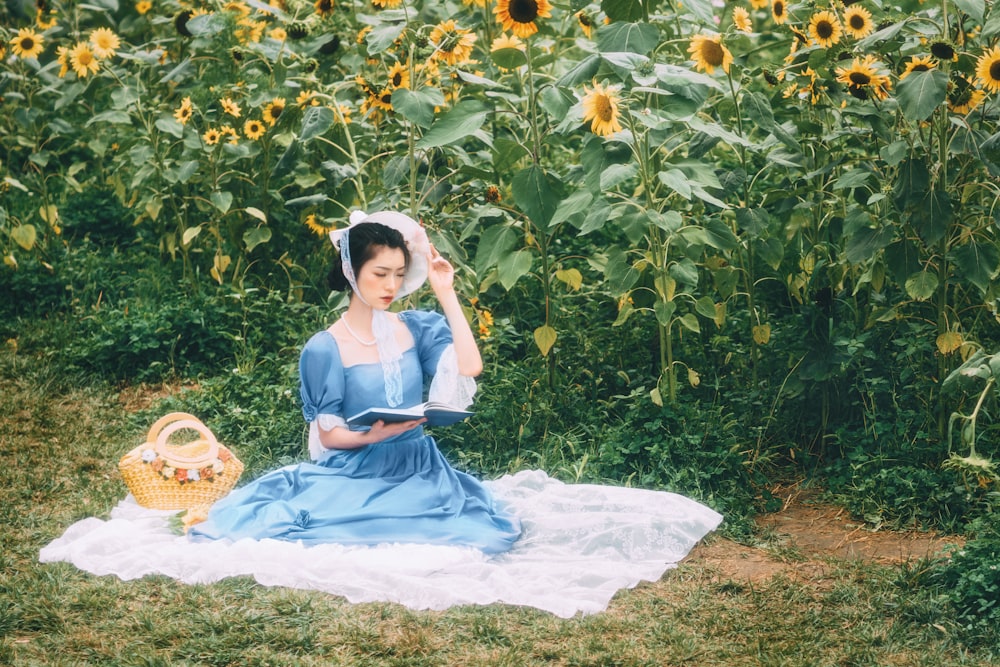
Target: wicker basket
(167, 476)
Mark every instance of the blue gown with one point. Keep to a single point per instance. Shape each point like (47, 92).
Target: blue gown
(400, 490)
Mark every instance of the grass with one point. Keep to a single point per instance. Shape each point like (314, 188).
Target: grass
(58, 449)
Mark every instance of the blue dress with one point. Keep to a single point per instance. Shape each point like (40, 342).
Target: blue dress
(400, 490)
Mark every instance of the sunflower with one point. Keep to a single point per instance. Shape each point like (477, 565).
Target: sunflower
(211, 136)
(452, 44)
(314, 225)
(863, 79)
(62, 57)
(988, 70)
(45, 19)
(824, 28)
(965, 99)
(345, 113)
(324, 7)
(230, 107)
(944, 51)
(143, 6)
(307, 98)
(741, 19)
(586, 23)
(237, 7)
(519, 16)
(104, 42)
(228, 131)
(82, 60)
(184, 111)
(387, 4)
(273, 110)
(758, 4)
(253, 129)
(779, 11)
(399, 76)
(382, 100)
(506, 41)
(600, 106)
(858, 22)
(278, 34)
(248, 30)
(708, 53)
(918, 64)
(27, 43)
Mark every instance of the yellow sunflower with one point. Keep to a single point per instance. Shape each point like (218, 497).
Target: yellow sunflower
(519, 16)
(452, 44)
(506, 41)
(314, 225)
(918, 64)
(82, 60)
(741, 19)
(600, 106)
(399, 76)
(965, 99)
(253, 129)
(278, 34)
(273, 110)
(62, 57)
(184, 111)
(758, 4)
(143, 6)
(27, 43)
(864, 79)
(824, 28)
(230, 107)
(988, 70)
(344, 112)
(104, 42)
(382, 100)
(324, 7)
(387, 4)
(307, 98)
(858, 22)
(708, 53)
(45, 19)
(228, 131)
(779, 11)
(211, 136)
(586, 23)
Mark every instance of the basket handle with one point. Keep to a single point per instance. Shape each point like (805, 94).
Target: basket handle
(178, 460)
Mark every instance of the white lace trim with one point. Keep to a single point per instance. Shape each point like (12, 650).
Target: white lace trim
(448, 386)
(328, 423)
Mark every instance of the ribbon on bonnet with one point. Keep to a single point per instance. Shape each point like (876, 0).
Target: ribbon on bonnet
(416, 273)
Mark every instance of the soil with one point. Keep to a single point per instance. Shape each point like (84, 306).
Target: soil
(805, 538)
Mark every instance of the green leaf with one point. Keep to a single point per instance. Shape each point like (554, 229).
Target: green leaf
(464, 119)
(598, 214)
(383, 36)
(619, 273)
(255, 236)
(932, 216)
(169, 125)
(719, 236)
(315, 121)
(512, 266)
(534, 195)
(920, 93)
(632, 37)
(495, 243)
(189, 235)
(545, 337)
(509, 58)
(418, 105)
(701, 9)
(308, 200)
(758, 110)
(865, 242)
(582, 72)
(114, 117)
(571, 207)
(256, 213)
(977, 262)
(664, 310)
(506, 152)
(690, 322)
(705, 307)
(222, 200)
(24, 236)
(976, 9)
(623, 10)
(288, 161)
(921, 286)
(571, 277)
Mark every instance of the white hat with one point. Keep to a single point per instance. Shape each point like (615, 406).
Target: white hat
(414, 236)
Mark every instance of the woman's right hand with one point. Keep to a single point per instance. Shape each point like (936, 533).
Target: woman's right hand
(382, 431)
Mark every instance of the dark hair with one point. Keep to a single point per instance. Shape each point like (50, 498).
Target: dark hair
(363, 241)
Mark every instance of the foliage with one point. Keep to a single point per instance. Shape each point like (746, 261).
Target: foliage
(970, 578)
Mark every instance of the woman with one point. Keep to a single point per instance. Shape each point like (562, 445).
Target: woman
(389, 482)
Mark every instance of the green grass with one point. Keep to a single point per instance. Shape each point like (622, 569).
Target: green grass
(58, 453)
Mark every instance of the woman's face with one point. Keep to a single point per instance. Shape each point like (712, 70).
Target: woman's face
(382, 276)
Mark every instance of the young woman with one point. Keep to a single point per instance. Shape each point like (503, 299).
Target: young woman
(387, 483)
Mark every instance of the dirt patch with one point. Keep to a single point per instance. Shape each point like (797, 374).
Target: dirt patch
(801, 539)
(141, 396)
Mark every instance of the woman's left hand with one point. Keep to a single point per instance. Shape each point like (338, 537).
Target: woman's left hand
(440, 274)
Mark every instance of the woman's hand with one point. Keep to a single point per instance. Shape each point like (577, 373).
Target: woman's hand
(440, 272)
(382, 431)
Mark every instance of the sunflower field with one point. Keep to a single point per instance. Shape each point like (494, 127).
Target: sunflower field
(708, 246)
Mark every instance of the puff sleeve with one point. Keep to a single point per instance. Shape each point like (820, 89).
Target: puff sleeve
(321, 377)
(438, 360)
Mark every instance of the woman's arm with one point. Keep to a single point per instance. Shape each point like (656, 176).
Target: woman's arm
(441, 276)
(343, 438)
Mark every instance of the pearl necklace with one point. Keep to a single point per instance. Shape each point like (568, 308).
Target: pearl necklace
(366, 343)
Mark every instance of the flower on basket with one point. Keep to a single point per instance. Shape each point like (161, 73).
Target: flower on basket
(148, 455)
(207, 473)
(185, 475)
(181, 474)
(168, 471)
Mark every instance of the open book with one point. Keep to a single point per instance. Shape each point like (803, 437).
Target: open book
(437, 414)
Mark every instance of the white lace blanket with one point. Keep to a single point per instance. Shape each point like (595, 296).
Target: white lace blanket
(581, 544)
